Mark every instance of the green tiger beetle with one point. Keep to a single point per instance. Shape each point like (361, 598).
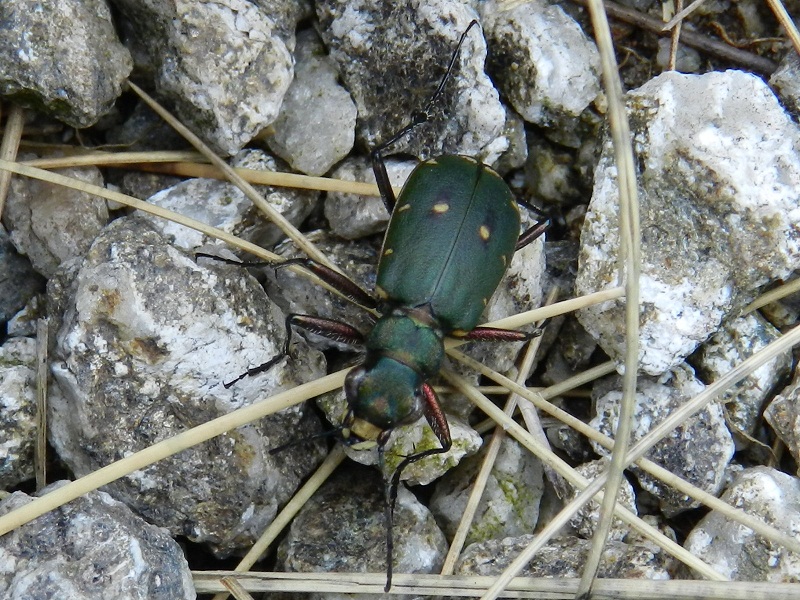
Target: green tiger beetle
(463, 219)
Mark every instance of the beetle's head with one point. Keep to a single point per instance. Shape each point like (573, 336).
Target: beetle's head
(385, 393)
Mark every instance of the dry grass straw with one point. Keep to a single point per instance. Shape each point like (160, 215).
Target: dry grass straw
(629, 265)
(239, 584)
(471, 586)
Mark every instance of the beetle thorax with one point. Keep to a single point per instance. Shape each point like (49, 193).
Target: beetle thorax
(402, 352)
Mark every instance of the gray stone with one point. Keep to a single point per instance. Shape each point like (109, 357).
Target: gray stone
(23, 324)
(352, 216)
(785, 82)
(343, 528)
(392, 58)
(570, 353)
(92, 548)
(144, 130)
(17, 410)
(736, 341)
(517, 140)
(62, 57)
(224, 66)
(226, 207)
(542, 60)
(18, 281)
(783, 415)
(142, 185)
(50, 223)
(145, 340)
(510, 503)
(737, 552)
(719, 194)
(316, 124)
(698, 450)
(688, 60)
(587, 518)
(563, 557)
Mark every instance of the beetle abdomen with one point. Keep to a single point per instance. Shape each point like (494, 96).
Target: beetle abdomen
(452, 233)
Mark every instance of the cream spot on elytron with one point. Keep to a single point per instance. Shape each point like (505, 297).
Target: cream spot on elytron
(403, 208)
(441, 207)
(484, 233)
(387, 252)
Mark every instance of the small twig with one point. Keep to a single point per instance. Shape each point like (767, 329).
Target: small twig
(676, 36)
(682, 14)
(235, 588)
(40, 449)
(701, 42)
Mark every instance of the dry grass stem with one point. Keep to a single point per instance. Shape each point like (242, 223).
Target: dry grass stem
(9, 147)
(471, 586)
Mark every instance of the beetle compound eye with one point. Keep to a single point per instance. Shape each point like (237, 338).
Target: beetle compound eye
(352, 382)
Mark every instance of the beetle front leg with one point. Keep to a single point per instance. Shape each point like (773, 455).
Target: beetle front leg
(438, 423)
(329, 328)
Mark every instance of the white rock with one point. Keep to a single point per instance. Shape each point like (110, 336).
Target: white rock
(736, 551)
(316, 125)
(542, 59)
(719, 192)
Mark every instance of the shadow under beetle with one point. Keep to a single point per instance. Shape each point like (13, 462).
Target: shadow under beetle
(453, 231)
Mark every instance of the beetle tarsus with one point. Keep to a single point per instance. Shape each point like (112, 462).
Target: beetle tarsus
(256, 370)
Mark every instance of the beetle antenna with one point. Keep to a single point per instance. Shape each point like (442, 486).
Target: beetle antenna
(389, 494)
(439, 90)
(418, 117)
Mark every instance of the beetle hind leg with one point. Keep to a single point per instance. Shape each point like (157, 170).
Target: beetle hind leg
(532, 233)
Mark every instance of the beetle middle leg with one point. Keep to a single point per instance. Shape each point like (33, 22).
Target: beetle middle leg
(329, 328)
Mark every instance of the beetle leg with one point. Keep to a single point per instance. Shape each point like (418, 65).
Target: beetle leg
(256, 370)
(329, 328)
(532, 233)
(495, 334)
(438, 423)
(341, 283)
(388, 507)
